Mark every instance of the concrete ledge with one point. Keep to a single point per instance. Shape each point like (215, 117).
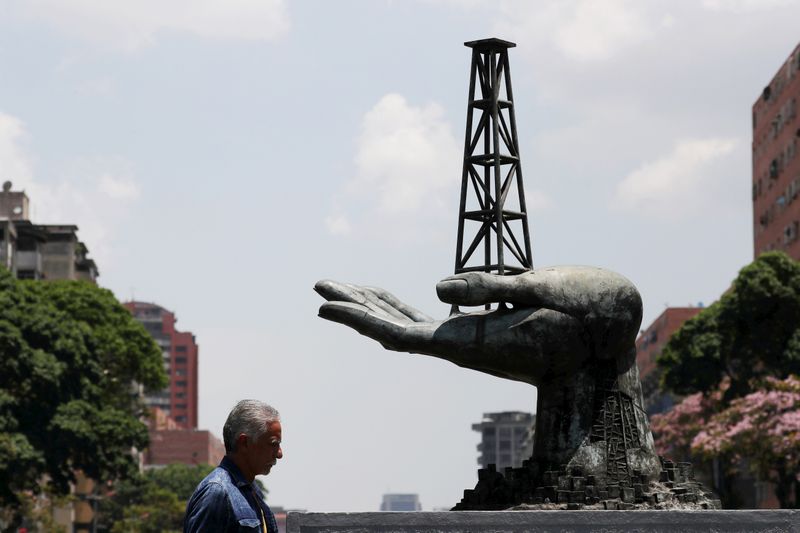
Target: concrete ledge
(777, 521)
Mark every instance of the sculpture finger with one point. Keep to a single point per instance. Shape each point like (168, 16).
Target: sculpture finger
(575, 290)
(390, 333)
(479, 288)
(405, 309)
(335, 291)
(374, 301)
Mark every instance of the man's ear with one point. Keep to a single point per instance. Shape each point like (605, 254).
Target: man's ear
(242, 441)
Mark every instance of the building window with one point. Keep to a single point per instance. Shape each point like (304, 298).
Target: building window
(180, 349)
(181, 383)
(180, 419)
(180, 395)
(180, 371)
(505, 445)
(180, 406)
(180, 360)
(488, 433)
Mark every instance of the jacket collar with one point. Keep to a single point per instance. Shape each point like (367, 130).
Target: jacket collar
(236, 475)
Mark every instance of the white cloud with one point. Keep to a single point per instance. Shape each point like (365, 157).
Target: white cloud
(338, 225)
(103, 86)
(406, 154)
(408, 174)
(118, 187)
(580, 30)
(595, 30)
(676, 181)
(536, 200)
(93, 193)
(15, 163)
(744, 6)
(407, 169)
(134, 25)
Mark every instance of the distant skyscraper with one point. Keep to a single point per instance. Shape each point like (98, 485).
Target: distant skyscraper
(506, 438)
(776, 162)
(401, 502)
(179, 349)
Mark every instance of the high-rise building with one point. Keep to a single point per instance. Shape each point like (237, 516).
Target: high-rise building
(40, 251)
(179, 349)
(401, 502)
(776, 162)
(506, 439)
(648, 346)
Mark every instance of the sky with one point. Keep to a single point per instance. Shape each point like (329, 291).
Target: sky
(221, 157)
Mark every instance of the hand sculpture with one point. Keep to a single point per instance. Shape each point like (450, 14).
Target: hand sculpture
(570, 331)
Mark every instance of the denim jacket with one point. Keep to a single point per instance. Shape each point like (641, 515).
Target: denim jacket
(224, 501)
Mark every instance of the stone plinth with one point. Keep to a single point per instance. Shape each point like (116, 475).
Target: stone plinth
(777, 521)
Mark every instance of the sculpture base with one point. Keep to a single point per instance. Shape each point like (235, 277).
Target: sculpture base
(568, 488)
(777, 521)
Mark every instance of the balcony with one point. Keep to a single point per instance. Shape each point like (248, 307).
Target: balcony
(29, 260)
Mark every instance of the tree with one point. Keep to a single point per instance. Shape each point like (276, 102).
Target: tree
(751, 333)
(151, 501)
(735, 352)
(70, 358)
(676, 430)
(764, 428)
(156, 510)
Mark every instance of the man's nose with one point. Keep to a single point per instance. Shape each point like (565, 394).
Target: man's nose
(280, 453)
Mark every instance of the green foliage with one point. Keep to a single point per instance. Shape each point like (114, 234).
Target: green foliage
(751, 333)
(153, 501)
(179, 479)
(691, 359)
(35, 513)
(69, 356)
(158, 510)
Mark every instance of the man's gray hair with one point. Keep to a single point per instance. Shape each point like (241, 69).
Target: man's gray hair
(250, 417)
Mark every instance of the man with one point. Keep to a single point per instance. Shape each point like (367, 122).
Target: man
(228, 499)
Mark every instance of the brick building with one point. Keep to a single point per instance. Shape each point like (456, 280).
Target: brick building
(649, 344)
(172, 444)
(186, 446)
(179, 349)
(776, 162)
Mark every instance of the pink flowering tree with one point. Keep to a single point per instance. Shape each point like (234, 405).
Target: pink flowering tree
(675, 430)
(762, 427)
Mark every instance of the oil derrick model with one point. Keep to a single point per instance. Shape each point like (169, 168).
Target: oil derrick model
(492, 196)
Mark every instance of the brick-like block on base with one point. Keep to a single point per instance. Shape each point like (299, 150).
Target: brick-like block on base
(778, 521)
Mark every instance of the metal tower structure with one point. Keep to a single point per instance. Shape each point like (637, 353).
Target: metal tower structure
(489, 206)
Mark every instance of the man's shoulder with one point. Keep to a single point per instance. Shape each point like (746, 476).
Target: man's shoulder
(218, 475)
(217, 482)
(219, 490)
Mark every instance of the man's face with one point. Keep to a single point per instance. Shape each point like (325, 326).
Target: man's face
(265, 451)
